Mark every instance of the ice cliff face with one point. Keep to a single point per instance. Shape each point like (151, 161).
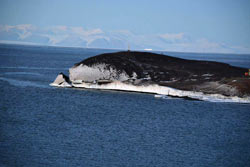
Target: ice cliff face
(97, 72)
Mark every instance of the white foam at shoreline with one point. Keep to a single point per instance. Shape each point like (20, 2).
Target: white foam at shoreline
(163, 90)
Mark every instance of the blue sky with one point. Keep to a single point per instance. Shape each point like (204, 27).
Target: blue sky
(219, 21)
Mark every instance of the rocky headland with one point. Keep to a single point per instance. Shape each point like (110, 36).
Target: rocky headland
(160, 74)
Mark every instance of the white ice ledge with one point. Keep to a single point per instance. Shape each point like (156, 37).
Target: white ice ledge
(161, 91)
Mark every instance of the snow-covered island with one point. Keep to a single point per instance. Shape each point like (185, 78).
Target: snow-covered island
(159, 74)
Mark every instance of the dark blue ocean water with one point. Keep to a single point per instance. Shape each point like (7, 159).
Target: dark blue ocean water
(45, 126)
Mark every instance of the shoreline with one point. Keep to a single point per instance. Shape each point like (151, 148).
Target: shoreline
(158, 91)
(160, 74)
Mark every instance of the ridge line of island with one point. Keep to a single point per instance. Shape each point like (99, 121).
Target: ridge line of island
(160, 74)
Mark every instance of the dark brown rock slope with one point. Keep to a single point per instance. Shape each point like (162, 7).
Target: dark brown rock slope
(205, 76)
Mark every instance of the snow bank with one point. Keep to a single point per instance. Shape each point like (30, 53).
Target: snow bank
(96, 72)
(163, 91)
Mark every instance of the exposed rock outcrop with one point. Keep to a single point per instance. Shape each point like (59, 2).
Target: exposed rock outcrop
(144, 68)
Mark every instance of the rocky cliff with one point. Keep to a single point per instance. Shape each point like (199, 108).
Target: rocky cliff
(145, 68)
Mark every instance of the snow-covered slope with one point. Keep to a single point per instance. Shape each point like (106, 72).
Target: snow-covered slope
(96, 72)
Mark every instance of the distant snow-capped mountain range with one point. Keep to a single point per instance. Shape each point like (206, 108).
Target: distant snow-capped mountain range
(120, 39)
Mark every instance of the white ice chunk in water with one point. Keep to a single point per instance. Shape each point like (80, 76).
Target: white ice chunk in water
(61, 81)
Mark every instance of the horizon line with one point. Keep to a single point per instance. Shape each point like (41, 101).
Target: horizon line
(6, 42)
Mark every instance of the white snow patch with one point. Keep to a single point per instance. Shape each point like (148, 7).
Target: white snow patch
(97, 72)
(148, 49)
(207, 75)
(64, 85)
(163, 90)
